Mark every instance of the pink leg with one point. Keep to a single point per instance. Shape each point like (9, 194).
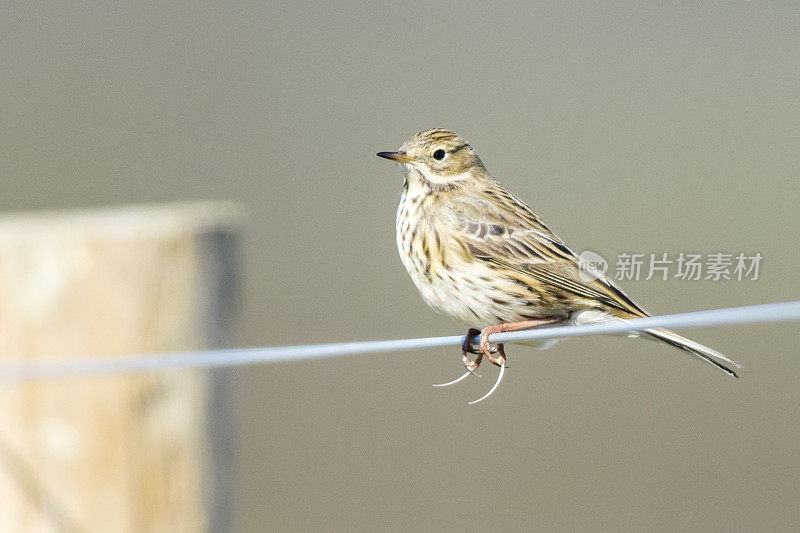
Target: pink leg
(486, 348)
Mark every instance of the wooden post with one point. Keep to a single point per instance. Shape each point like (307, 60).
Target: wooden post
(146, 452)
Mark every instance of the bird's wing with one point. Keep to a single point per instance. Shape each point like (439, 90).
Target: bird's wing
(509, 234)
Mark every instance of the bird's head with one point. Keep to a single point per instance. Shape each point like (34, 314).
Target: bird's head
(437, 158)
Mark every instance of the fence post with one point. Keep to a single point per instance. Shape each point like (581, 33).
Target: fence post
(148, 452)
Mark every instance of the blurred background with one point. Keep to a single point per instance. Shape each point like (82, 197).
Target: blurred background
(629, 128)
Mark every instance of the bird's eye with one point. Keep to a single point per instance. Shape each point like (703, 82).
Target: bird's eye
(439, 154)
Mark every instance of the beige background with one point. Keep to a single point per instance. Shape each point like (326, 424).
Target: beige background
(629, 128)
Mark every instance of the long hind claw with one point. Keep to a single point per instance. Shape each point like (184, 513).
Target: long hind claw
(462, 376)
(469, 364)
(496, 383)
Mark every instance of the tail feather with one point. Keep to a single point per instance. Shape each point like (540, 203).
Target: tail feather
(696, 349)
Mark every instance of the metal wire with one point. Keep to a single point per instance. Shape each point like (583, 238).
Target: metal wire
(72, 368)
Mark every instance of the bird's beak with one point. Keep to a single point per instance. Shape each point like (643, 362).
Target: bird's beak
(400, 157)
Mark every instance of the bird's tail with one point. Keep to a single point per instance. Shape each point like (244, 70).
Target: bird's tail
(704, 353)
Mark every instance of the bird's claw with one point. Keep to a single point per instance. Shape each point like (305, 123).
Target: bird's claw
(489, 351)
(494, 387)
(484, 349)
(459, 378)
(471, 365)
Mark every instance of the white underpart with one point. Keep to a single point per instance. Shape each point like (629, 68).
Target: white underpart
(590, 316)
(595, 316)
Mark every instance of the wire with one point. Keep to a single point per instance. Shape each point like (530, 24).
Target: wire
(72, 368)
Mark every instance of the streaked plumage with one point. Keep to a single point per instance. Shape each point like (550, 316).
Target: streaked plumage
(479, 254)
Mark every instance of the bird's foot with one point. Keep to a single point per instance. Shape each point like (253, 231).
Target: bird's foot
(466, 348)
(496, 355)
(470, 364)
(496, 383)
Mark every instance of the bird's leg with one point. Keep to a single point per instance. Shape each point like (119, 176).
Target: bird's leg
(498, 355)
(500, 358)
(495, 355)
(466, 347)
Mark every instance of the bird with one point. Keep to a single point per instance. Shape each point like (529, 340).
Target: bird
(479, 254)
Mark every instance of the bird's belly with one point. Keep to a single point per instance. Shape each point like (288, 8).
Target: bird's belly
(468, 290)
(474, 294)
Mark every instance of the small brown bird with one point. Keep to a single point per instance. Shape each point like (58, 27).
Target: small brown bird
(479, 254)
